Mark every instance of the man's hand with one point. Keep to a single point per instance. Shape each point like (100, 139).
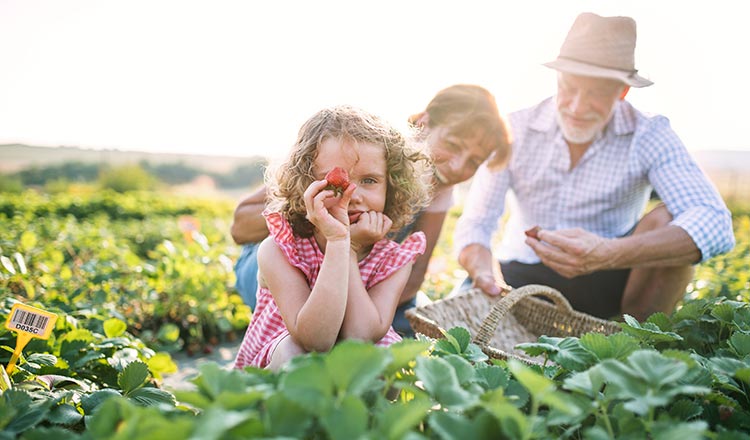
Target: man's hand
(573, 252)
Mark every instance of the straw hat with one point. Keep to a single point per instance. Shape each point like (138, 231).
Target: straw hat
(601, 47)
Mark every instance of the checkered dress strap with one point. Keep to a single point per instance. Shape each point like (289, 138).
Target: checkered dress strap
(387, 256)
(301, 253)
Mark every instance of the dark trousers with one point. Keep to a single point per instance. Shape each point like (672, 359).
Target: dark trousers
(598, 294)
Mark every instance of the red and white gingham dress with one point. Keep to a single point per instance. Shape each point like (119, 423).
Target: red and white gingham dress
(267, 328)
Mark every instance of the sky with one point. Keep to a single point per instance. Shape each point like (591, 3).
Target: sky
(240, 77)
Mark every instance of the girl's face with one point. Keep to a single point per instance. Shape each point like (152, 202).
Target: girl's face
(366, 166)
(456, 158)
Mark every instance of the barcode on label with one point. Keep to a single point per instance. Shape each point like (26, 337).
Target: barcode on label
(35, 322)
(29, 321)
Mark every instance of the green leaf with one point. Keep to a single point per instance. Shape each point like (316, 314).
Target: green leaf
(215, 422)
(513, 422)
(684, 409)
(286, 417)
(724, 312)
(212, 380)
(405, 352)
(354, 366)
(28, 241)
(588, 382)
(7, 264)
(616, 346)
(537, 384)
(348, 420)
(396, 419)
(161, 363)
(147, 396)
(439, 379)
(465, 372)
(661, 320)
(669, 430)
(64, 414)
(571, 355)
(114, 327)
(455, 426)
(168, 333)
(648, 332)
(461, 336)
(90, 402)
(132, 377)
(309, 384)
(491, 376)
(740, 343)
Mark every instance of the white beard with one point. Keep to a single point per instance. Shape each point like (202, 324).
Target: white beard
(579, 135)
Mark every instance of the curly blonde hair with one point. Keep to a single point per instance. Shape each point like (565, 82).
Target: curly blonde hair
(408, 168)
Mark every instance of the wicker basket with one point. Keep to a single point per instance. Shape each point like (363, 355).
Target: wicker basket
(495, 330)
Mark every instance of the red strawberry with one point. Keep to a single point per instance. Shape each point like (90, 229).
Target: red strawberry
(533, 232)
(338, 180)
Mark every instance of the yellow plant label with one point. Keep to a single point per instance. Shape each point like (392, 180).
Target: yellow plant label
(29, 322)
(37, 323)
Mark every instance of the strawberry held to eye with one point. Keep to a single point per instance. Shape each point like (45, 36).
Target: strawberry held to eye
(338, 180)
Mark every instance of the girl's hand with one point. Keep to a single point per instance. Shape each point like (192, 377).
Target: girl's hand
(328, 212)
(369, 228)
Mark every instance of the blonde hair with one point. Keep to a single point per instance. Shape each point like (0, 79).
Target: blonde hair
(407, 168)
(465, 109)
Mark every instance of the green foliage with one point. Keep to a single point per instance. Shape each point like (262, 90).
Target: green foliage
(126, 178)
(10, 184)
(125, 257)
(126, 280)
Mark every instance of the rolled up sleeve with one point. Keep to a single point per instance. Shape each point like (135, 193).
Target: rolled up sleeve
(688, 194)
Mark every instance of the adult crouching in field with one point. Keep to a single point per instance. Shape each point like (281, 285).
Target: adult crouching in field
(461, 128)
(584, 164)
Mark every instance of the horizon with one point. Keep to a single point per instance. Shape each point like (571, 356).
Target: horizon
(238, 79)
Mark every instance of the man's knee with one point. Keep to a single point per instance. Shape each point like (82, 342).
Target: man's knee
(656, 218)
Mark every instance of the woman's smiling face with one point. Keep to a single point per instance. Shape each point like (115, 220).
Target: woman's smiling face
(456, 158)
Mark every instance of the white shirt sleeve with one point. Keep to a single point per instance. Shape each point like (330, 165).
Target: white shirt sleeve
(483, 208)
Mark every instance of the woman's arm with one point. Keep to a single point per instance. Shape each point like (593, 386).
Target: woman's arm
(249, 226)
(431, 223)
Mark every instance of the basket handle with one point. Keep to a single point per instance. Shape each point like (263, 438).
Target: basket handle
(503, 306)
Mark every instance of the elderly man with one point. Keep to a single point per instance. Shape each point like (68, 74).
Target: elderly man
(584, 164)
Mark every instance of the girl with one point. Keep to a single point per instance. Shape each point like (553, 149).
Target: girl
(326, 271)
(460, 128)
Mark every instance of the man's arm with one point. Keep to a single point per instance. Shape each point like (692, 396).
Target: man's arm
(249, 226)
(574, 252)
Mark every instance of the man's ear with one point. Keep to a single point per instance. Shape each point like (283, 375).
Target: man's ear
(624, 92)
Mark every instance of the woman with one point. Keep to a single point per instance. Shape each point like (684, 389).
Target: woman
(461, 128)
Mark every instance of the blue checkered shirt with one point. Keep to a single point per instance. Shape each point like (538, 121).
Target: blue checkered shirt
(606, 192)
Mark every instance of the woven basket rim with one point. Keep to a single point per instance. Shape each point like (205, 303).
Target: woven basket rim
(420, 321)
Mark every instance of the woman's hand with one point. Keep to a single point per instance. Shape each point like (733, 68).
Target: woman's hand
(368, 228)
(328, 212)
(489, 284)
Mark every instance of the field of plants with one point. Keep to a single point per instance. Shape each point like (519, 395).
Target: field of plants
(136, 277)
